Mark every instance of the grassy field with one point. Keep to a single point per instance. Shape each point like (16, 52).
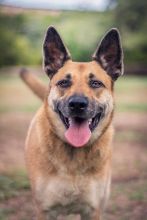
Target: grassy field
(129, 184)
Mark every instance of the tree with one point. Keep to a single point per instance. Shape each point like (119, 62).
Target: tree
(130, 16)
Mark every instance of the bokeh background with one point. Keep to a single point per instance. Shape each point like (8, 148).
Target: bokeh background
(81, 24)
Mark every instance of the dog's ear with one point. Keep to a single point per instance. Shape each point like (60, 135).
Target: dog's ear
(55, 53)
(109, 54)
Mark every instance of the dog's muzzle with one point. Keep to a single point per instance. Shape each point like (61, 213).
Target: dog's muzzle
(80, 117)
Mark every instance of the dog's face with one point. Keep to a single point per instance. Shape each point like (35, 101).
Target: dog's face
(80, 97)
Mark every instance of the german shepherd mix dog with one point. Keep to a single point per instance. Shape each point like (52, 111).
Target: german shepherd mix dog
(68, 147)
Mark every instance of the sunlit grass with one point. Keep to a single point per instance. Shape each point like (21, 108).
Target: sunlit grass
(132, 107)
(130, 84)
(131, 136)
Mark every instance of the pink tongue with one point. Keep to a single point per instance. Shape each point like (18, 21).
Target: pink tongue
(78, 134)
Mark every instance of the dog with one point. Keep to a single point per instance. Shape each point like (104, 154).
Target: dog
(68, 147)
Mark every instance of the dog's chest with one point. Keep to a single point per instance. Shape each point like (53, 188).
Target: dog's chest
(71, 192)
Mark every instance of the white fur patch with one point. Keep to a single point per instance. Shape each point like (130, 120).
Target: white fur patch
(77, 192)
(103, 60)
(106, 99)
(53, 95)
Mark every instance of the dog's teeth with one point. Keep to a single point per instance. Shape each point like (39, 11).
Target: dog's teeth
(70, 120)
(90, 121)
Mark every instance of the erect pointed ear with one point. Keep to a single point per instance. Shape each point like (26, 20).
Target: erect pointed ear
(109, 54)
(55, 53)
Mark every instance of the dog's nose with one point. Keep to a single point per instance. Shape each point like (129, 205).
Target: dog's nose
(78, 103)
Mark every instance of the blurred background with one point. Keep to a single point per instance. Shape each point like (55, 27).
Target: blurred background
(81, 24)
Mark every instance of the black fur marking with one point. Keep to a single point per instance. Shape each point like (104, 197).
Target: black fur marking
(91, 75)
(64, 83)
(68, 76)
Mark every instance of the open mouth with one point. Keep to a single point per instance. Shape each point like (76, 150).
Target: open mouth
(93, 122)
(79, 129)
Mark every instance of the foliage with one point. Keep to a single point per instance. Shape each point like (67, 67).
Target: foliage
(131, 18)
(22, 32)
(14, 46)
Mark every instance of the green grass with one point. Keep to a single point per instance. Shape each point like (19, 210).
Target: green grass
(11, 184)
(131, 136)
(130, 92)
(4, 213)
(128, 200)
(125, 107)
(137, 190)
(23, 108)
(131, 84)
(125, 195)
(138, 195)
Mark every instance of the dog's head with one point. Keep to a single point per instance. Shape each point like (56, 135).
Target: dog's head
(80, 99)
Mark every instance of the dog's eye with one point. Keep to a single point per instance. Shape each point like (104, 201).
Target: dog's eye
(64, 83)
(95, 84)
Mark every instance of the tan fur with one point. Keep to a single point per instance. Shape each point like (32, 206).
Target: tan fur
(62, 178)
